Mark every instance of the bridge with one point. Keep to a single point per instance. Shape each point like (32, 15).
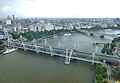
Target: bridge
(68, 54)
(95, 33)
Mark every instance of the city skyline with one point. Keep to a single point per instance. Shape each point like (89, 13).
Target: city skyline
(61, 8)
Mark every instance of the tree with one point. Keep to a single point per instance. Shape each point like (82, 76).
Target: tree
(109, 51)
(104, 75)
(115, 40)
(103, 50)
(101, 73)
(99, 70)
(104, 69)
(1, 45)
(105, 81)
(14, 35)
(99, 78)
(113, 45)
(1, 42)
(116, 73)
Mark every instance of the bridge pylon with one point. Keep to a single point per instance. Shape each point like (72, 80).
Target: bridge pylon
(59, 44)
(104, 63)
(51, 51)
(45, 42)
(68, 56)
(93, 58)
(24, 46)
(36, 48)
(96, 49)
(75, 46)
(10, 43)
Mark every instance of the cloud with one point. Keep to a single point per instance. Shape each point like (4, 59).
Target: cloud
(7, 9)
(63, 8)
(30, 0)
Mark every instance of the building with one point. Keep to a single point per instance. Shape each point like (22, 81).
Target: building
(3, 33)
(49, 27)
(8, 21)
(13, 19)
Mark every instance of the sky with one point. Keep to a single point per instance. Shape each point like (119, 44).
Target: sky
(60, 8)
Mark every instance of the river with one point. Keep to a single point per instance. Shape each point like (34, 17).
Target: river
(29, 67)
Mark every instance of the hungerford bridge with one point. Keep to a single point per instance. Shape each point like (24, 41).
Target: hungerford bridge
(68, 54)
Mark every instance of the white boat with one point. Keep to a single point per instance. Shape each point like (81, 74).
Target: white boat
(54, 36)
(9, 50)
(67, 34)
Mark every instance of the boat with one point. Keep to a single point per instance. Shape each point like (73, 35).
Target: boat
(54, 36)
(9, 50)
(67, 34)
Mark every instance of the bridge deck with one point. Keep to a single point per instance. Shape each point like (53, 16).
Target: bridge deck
(62, 52)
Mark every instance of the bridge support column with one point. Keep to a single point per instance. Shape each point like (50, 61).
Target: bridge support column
(8, 42)
(45, 42)
(59, 44)
(36, 48)
(104, 63)
(75, 46)
(51, 50)
(68, 56)
(93, 57)
(96, 49)
(24, 46)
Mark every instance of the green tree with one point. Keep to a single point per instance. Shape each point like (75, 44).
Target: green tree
(99, 70)
(115, 40)
(104, 75)
(116, 73)
(105, 81)
(104, 69)
(1, 42)
(14, 35)
(113, 45)
(109, 51)
(99, 78)
(1, 45)
(104, 50)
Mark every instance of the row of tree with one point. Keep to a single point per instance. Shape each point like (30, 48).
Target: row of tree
(30, 35)
(116, 73)
(108, 48)
(1, 45)
(100, 74)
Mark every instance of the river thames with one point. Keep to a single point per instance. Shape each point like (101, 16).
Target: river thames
(28, 67)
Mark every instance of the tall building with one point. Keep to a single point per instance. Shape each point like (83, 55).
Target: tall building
(13, 19)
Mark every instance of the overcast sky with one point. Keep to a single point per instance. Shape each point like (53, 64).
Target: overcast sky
(60, 8)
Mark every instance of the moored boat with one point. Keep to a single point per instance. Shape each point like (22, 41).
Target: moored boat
(67, 34)
(9, 50)
(54, 36)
